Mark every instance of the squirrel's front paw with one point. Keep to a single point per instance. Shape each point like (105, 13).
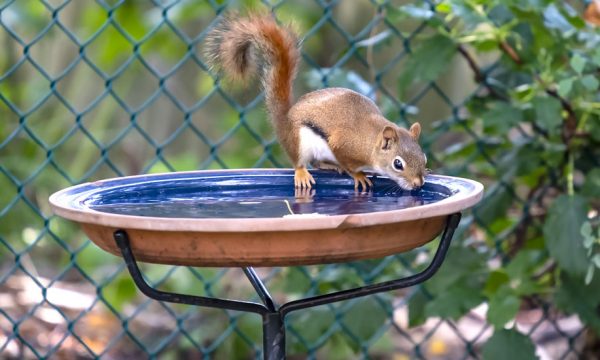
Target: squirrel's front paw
(361, 179)
(303, 179)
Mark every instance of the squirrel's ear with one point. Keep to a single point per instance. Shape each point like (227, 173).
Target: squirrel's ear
(389, 137)
(415, 130)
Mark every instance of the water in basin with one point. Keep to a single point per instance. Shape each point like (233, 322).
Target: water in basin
(257, 197)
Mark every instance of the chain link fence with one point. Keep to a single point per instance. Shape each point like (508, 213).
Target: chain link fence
(97, 89)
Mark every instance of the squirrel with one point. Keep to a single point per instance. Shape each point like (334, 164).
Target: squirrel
(328, 128)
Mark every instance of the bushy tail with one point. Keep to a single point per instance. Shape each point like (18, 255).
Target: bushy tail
(241, 46)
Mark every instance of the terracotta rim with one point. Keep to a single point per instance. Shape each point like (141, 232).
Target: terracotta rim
(467, 195)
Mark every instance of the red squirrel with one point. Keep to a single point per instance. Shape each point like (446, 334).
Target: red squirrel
(332, 127)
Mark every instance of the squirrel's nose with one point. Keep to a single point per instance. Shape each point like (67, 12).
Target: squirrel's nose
(417, 183)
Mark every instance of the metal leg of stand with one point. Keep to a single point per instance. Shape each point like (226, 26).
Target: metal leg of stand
(273, 317)
(273, 336)
(412, 280)
(273, 324)
(123, 243)
(260, 288)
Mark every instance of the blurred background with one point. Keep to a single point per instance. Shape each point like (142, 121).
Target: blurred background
(506, 91)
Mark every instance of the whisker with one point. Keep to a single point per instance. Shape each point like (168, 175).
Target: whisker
(384, 189)
(392, 188)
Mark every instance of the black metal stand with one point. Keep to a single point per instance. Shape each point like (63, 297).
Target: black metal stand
(273, 317)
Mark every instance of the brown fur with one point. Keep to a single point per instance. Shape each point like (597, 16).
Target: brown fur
(357, 133)
(356, 129)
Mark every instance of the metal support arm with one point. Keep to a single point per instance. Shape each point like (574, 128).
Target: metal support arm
(273, 317)
(412, 280)
(123, 244)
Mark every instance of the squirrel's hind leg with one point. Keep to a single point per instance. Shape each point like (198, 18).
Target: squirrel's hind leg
(302, 178)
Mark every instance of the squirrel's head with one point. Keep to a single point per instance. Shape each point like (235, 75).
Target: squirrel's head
(399, 156)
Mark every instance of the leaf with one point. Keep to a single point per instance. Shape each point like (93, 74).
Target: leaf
(416, 309)
(525, 92)
(577, 63)
(494, 205)
(417, 12)
(428, 61)
(312, 323)
(503, 307)
(553, 19)
(504, 287)
(562, 232)
(455, 301)
(364, 318)
(508, 345)
(590, 275)
(120, 291)
(461, 263)
(574, 296)
(590, 82)
(596, 260)
(519, 161)
(565, 86)
(502, 116)
(247, 326)
(496, 279)
(596, 57)
(588, 237)
(486, 45)
(523, 264)
(500, 14)
(575, 20)
(548, 112)
(456, 287)
(469, 13)
(594, 128)
(516, 276)
(443, 7)
(296, 281)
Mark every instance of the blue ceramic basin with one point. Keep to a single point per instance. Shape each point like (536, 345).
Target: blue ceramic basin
(256, 217)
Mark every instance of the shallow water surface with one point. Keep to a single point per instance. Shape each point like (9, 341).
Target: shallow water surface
(256, 198)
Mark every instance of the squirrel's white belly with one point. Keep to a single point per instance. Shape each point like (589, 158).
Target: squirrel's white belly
(314, 148)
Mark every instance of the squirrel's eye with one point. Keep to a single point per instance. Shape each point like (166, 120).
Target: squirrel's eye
(398, 164)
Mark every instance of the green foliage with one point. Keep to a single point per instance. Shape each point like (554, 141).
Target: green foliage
(591, 187)
(120, 291)
(457, 284)
(506, 286)
(509, 345)
(535, 124)
(547, 113)
(501, 117)
(428, 61)
(364, 319)
(591, 242)
(562, 230)
(575, 296)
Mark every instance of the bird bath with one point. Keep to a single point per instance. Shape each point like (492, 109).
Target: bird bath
(244, 218)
